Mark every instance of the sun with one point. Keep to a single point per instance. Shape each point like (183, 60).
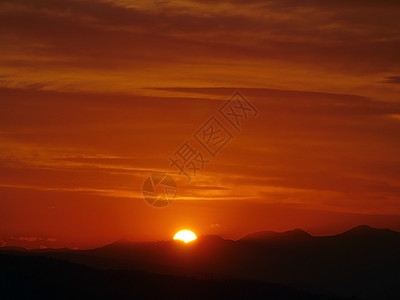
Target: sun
(185, 235)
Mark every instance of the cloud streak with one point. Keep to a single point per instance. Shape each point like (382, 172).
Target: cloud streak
(109, 41)
(95, 95)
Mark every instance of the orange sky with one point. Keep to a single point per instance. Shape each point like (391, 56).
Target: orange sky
(96, 95)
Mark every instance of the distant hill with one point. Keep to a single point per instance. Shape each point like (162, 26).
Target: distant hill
(363, 262)
(35, 277)
(293, 236)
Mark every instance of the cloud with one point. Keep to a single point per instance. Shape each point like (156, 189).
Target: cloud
(304, 146)
(26, 238)
(123, 43)
(215, 225)
(123, 83)
(392, 80)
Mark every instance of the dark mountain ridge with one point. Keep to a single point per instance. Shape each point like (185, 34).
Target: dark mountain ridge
(363, 262)
(36, 277)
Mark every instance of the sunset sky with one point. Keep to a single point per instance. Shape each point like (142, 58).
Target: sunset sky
(97, 95)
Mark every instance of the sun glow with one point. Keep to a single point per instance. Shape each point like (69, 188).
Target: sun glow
(185, 235)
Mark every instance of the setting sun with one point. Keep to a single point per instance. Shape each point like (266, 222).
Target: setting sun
(185, 235)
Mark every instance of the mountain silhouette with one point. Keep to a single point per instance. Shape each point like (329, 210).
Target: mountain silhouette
(293, 236)
(36, 277)
(363, 262)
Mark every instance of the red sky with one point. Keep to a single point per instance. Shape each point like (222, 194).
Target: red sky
(96, 95)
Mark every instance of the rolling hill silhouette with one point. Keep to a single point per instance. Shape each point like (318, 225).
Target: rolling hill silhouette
(33, 277)
(363, 262)
(271, 237)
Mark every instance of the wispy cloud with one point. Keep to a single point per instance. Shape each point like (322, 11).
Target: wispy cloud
(392, 80)
(274, 43)
(123, 83)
